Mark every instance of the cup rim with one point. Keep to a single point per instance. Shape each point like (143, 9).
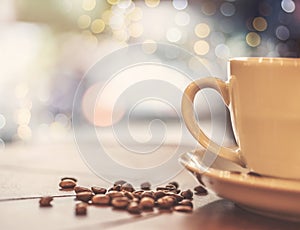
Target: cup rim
(264, 59)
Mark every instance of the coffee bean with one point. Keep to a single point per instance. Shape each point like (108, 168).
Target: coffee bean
(84, 196)
(120, 202)
(138, 193)
(134, 208)
(101, 199)
(159, 194)
(69, 178)
(116, 187)
(147, 203)
(171, 187)
(186, 202)
(127, 187)
(78, 189)
(98, 190)
(129, 195)
(166, 202)
(183, 208)
(175, 184)
(114, 194)
(67, 184)
(147, 194)
(146, 186)
(119, 182)
(137, 200)
(187, 194)
(177, 197)
(80, 209)
(200, 190)
(46, 201)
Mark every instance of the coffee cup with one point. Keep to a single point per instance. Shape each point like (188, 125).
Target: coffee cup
(263, 98)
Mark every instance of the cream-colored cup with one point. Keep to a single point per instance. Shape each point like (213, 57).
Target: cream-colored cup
(263, 97)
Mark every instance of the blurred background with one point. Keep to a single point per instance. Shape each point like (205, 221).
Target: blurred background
(47, 46)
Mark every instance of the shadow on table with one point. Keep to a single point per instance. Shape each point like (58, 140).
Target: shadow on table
(223, 214)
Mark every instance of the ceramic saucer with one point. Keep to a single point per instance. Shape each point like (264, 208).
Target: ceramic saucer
(269, 196)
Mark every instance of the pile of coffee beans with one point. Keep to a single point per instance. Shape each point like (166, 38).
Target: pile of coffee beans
(123, 196)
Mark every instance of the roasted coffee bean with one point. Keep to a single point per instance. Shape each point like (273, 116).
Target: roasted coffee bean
(129, 195)
(78, 189)
(134, 208)
(101, 199)
(183, 208)
(147, 203)
(187, 194)
(138, 193)
(114, 194)
(166, 202)
(84, 196)
(148, 194)
(171, 187)
(80, 209)
(161, 188)
(119, 182)
(176, 196)
(98, 190)
(127, 187)
(116, 188)
(46, 201)
(200, 190)
(146, 186)
(159, 194)
(69, 178)
(186, 202)
(175, 184)
(120, 202)
(137, 200)
(67, 184)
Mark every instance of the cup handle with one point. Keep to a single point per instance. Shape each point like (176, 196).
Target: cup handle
(187, 106)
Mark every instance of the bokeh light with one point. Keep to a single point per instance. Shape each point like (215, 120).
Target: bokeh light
(84, 21)
(282, 33)
(208, 8)
(288, 6)
(97, 26)
(173, 34)
(88, 5)
(113, 2)
(260, 24)
(135, 30)
(152, 3)
(23, 116)
(116, 21)
(201, 47)
(182, 18)
(180, 4)
(202, 30)
(253, 39)
(125, 4)
(227, 9)
(222, 51)
(24, 132)
(136, 14)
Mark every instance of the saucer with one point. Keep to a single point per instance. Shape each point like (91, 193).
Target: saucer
(269, 196)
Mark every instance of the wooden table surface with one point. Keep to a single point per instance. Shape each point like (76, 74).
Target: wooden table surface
(31, 170)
